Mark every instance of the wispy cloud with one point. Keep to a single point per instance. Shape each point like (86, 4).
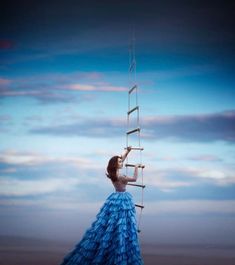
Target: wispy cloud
(221, 177)
(16, 187)
(86, 127)
(194, 207)
(55, 88)
(105, 88)
(31, 174)
(44, 97)
(42, 91)
(4, 82)
(5, 123)
(205, 158)
(5, 118)
(185, 128)
(52, 201)
(12, 157)
(192, 128)
(25, 173)
(170, 178)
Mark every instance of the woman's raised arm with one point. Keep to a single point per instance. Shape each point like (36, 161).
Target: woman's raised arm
(125, 154)
(135, 175)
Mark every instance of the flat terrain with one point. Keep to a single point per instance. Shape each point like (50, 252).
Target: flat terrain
(26, 251)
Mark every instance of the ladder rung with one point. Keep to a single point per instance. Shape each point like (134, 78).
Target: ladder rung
(133, 131)
(137, 185)
(133, 165)
(132, 66)
(130, 111)
(138, 205)
(131, 90)
(136, 148)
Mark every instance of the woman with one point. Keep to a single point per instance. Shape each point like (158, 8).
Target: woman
(112, 238)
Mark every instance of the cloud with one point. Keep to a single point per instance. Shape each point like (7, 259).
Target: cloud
(184, 128)
(45, 97)
(18, 158)
(49, 201)
(16, 187)
(208, 157)
(5, 123)
(194, 207)
(105, 88)
(192, 128)
(58, 88)
(12, 157)
(221, 177)
(4, 82)
(169, 179)
(5, 118)
(29, 170)
(87, 127)
(36, 166)
(26, 174)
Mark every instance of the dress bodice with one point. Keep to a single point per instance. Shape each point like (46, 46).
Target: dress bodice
(120, 184)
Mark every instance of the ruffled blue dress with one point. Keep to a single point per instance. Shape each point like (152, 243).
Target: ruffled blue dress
(112, 238)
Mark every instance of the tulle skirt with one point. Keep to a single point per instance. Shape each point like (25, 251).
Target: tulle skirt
(112, 238)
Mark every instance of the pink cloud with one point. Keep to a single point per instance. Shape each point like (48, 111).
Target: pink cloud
(93, 75)
(105, 88)
(4, 82)
(50, 88)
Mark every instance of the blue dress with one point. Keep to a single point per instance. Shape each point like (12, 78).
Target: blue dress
(112, 238)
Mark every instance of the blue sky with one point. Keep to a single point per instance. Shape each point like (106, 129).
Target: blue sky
(63, 102)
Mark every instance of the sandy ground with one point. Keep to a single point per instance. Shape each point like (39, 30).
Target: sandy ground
(23, 251)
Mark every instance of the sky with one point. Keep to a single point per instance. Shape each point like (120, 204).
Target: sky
(64, 85)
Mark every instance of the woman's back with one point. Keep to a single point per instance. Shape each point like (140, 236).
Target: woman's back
(120, 183)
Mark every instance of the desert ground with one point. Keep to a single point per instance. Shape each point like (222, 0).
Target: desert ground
(27, 251)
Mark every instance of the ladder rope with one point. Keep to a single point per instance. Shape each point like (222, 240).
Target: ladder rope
(130, 131)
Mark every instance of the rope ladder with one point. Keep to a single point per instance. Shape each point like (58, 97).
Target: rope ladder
(133, 134)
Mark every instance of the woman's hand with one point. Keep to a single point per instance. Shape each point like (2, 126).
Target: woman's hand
(139, 165)
(129, 148)
(127, 151)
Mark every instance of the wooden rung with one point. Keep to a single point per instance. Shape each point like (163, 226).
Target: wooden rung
(130, 111)
(136, 148)
(133, 131)
(131, 90)
(140, 206)
(133, 165)
(137, 185)
(132, 66)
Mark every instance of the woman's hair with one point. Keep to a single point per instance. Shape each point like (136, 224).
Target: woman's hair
(112, 168)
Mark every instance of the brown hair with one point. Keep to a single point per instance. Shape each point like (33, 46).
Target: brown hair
(112, 168)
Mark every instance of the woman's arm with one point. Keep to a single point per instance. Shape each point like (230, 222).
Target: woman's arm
(135, 175)
(124, 155)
